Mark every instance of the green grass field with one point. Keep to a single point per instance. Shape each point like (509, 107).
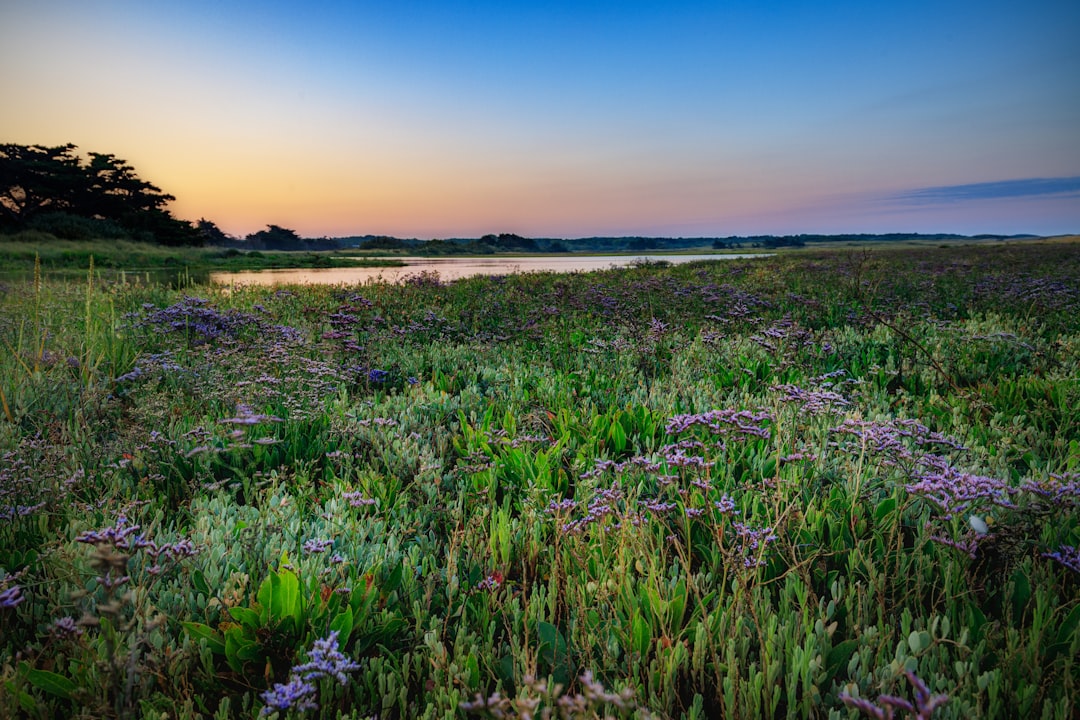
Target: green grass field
(821, 484)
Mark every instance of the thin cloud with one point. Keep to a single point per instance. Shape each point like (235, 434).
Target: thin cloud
(1022, 187)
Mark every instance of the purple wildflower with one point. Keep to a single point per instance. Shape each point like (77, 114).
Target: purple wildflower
(954, 491)
(723, 422)
(317, 545)
(325, 659)
(11, 597)
(65, 627)
(726, 505)
(246, 415)
(357, 499)
(293, 695)
(1068, 556)
(922, 709)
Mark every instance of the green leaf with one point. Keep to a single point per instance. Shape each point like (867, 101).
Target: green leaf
(393, 581)
(1068, 627)
(1021, 593)
(292, 605)
(235, 643)
(246, 616)
(884, 508)
(213, 639)
(640, 634)
(199, 581)
(617, 436)
(552, 643)
(838, 657)
(52, 683)
(473, 669)
(343, 623)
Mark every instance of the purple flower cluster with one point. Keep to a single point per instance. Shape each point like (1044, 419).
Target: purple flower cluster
(784, 334)
(297, 694)
(723, 422)
(884, 709)
(317, 545)
(18, 487)
(954, 492)
(122, 536)
(357, 499)
(813, 402)
(200, 322)
(897, 442)
(325, 659)
(65, 627)
(126, 538)
(1062, 489)
(752, 543)
(1068, 556)
(11, 596)
(246, 415)
(605, 504)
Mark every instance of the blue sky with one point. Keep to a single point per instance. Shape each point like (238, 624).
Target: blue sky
(567, 119)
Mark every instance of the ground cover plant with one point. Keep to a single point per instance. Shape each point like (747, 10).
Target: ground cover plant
(824, 485)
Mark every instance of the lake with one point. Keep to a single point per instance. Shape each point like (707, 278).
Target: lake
(453, 268)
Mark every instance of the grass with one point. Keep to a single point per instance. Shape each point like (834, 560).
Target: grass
(794, 486)
(18, 254)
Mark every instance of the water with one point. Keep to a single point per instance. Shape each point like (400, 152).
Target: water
(451, 268)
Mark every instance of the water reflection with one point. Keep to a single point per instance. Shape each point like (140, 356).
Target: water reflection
(452, 268)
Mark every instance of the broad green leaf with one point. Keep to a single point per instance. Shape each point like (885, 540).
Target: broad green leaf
(641, 635)
(213, 639)
(1068, 627)
(199, 581)
(473, 669)
(343, 623)
(838, 657)
(52, 683)
(884, 508)
(245, 616)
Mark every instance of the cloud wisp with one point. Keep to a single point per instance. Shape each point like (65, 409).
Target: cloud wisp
(1020, 187)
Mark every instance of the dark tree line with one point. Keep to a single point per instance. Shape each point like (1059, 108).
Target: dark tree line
(55, 190)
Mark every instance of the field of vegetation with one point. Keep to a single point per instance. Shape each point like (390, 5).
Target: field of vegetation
(826, 485)
(22, 252)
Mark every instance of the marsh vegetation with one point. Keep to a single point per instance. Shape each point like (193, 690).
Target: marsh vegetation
(813, 485)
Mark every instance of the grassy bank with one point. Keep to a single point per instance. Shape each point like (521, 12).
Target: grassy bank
(793, 486)
(18, 253)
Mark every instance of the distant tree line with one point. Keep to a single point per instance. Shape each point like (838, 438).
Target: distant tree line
(54, 190)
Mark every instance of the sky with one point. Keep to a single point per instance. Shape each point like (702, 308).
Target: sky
(567, 119)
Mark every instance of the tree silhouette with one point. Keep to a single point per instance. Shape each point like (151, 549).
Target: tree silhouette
(37, 181)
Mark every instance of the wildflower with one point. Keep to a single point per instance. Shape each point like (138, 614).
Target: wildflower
(923, 708)
(295, 695)
(325, 659)
(246, 415)
(357, 499)
(65, 627)
(11, 597)
(317, 545)
(492, 582)
(1068, 556)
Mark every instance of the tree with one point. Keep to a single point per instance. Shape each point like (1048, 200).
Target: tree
(210, 233)
(275, 237)
(36, 180)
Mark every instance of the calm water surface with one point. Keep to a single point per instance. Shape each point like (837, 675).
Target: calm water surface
(451, 268)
